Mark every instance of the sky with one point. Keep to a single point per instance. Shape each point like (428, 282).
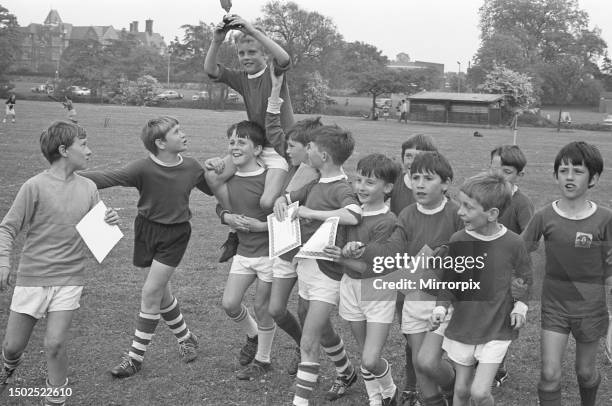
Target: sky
(442, 31)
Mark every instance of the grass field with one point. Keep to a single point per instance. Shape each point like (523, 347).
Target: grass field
(103, 327)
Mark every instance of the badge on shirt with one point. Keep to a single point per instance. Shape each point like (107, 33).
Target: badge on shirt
(583, 240)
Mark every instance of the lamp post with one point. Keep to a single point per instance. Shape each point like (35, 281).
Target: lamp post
(168, 78)
(459, 77)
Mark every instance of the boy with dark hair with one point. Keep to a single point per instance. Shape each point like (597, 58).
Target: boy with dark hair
(428, 223)
(318, 280)
(161, 232)
(577, 234)
(370, 317)
(51, 271)
(480, 331)
(510, 161)
(251, 261)
(254, 83)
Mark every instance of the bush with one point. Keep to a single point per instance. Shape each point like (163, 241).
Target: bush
(592, 127)
(534, 120)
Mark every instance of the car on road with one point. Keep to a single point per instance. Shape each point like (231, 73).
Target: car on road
(203, 95)
(233, 97)
(79, 91)
(44, 88)
(608, 120)
(169, 95)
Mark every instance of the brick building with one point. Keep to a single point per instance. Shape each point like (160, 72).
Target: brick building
(43, 44)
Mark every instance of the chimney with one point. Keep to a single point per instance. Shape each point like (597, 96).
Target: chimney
(149, 27)
(134, 26)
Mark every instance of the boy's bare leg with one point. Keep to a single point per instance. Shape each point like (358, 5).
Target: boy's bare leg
(18, 331)
(235, 288)
(279, 297)
(372, 362)
(431, 364)
(586, 371)
(462, 384)
(552, 349)
(427, 386)
(480, 390)
(58, 325)
(275, 178)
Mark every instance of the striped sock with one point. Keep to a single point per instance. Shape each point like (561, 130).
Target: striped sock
(337, 354)
(372, 387)
(246, 322)
(145, 328)
(11, 364)
(385, 380)
(305, 381)
(60, 396)
(264, 343)
(174, 320)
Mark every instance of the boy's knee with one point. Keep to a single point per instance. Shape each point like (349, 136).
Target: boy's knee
(550, 376)
(586, 374)
(425, 363)
(480, 394)
(370, 360)
(231, 308)
(462, 392)
(277, 311)
(54, 347)
(309, 345)
(12, 349)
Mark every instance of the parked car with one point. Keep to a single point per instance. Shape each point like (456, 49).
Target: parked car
(203, 95)
(169, 95)
(380, 103)
(79, 91)
(233, 97)
(608, 120)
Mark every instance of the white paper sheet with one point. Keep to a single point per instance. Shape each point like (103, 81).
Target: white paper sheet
(99, 237)
(283, 236)
(324, 236)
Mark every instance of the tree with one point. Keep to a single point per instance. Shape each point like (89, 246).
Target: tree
(10, 38)
(517, 88)
(378, 82)
(314, 95)
(350, 59)
(526, 36)
(85, 63)
(561, 81)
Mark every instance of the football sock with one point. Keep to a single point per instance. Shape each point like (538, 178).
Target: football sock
(290, 325)
(549, 398)
(372, 387)
(59, 398)
(305, 381)
(337, 354)
(174, 320)
(411, 379)
(11, 364)
(385, 380)
(264, 343)
(145, 329)
(436, 400)
(246, 322)
(588, 390)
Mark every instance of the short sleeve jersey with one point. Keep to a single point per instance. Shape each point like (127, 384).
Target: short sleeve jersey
(401, 195)
(575, 259)
(482, 314)
(164, 190)
(325, 195)
(245, 190)
(255, 90)
(374, 227)
(518, 213)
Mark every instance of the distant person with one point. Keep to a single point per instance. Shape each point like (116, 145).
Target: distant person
(71, 110)
(51, 271)
(346, 102)
(404, 111)
(10, 108)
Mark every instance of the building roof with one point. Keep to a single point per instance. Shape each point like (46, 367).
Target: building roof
(53, 18)
(462, 97)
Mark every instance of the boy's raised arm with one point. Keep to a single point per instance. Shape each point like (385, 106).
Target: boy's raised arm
(210, 62)
(278, 53)
(274, 130)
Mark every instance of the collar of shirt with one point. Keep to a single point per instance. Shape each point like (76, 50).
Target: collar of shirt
(365, 213)
(251, 173)
(514, 189)
(578, 216)
(333, 178)
(162, 163)
(407, 180)
(258, 74)
(434, 210)
(498, 234)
